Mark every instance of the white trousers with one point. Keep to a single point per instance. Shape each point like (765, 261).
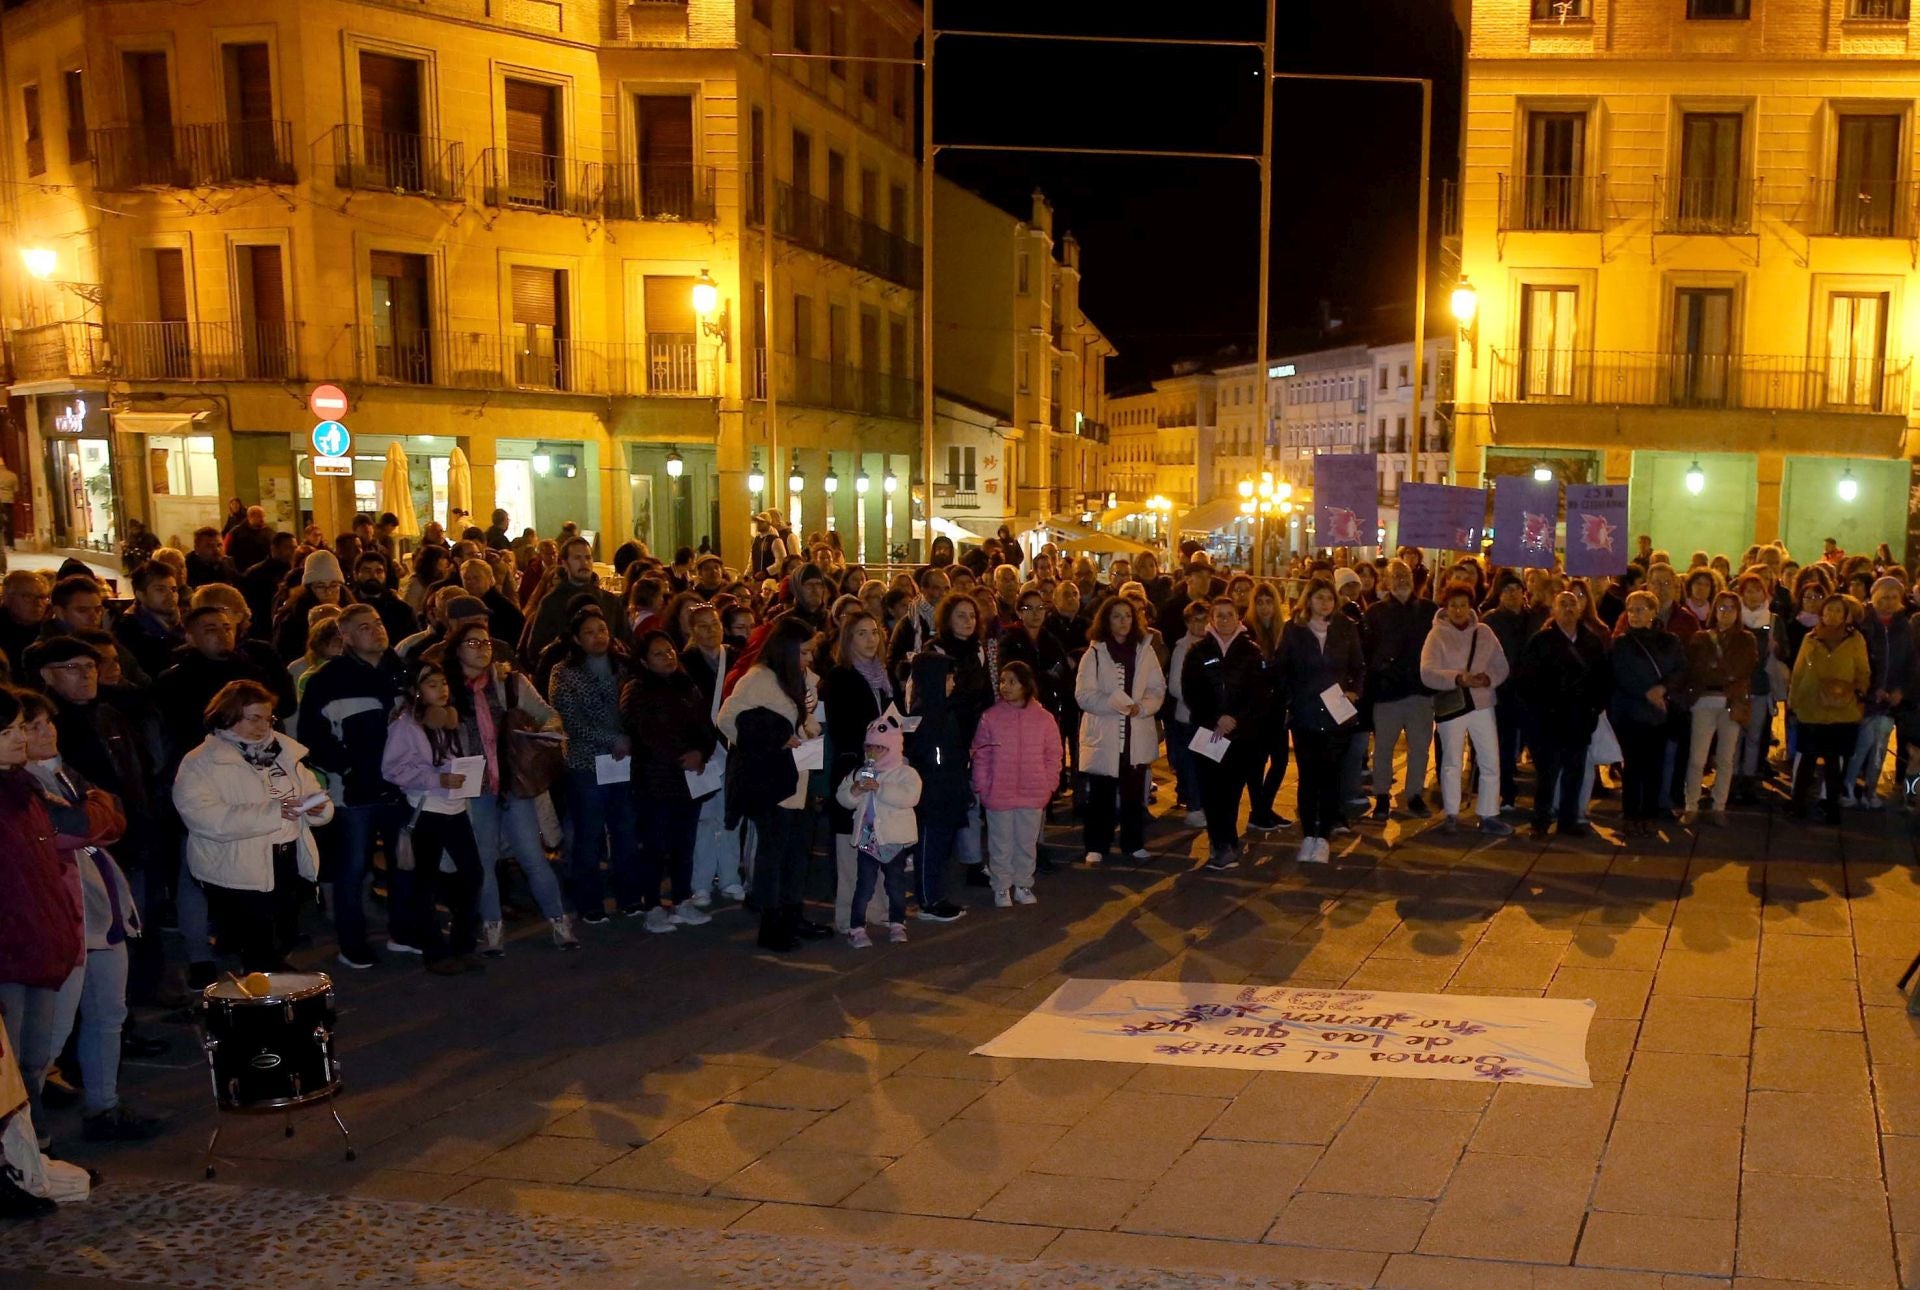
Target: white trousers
(1713, 724)
(1477, 725)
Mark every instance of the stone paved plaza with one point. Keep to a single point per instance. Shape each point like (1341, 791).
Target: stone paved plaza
(683, 1110)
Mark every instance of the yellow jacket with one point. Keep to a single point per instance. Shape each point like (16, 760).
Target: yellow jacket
(1820, 662)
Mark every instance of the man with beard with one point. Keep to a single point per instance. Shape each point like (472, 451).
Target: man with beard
(262, 581)
(371, 586)
(577, 578)
(207, 563)
(250, 542)
(152, 631)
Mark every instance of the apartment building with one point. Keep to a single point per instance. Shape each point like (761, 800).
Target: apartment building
(1132, 475)
(1688, 229)
(486, 223)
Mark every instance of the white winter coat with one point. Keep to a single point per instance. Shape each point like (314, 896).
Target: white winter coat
(232, 820)
(1103, 726)
(896, 793)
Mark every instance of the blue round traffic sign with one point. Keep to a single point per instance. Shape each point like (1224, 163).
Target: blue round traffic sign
(330, 439)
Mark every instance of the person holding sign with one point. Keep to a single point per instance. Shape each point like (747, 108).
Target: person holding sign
(1321, 659)
(1223, 679)
(425, 758)
(1462, 662)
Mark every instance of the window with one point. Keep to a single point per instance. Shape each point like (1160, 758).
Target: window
(663, 142)
(1383, 378)
(902, 89)
(673, 335)
(1403, 376)
(532, 176)
(1561, 10)
(960, 469)
(253, 145)
(1707, 198)
(391, 113)
(1399, 435)
(1025, 271)
(539, 332)
(1551, 190)
(263, 312)
(1856, 348)
(802, 164)
(802, 30)
(1026, 372)
(402, 321)
(870, 72)
(837, 42)
(36, 142)
(76, 95)
(166, 345)
(1547, 335)
(803, 326)
(1701, 351)
(1717, 9)
(1893, 10)
(762, 11)
(1866, 192)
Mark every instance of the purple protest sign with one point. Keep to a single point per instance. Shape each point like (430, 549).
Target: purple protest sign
(1524, 512)
(1442, 517)
(1596, 529)
(1346, 499)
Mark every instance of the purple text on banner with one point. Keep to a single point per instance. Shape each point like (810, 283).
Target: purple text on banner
(1596, 529)
(1346, 499)
(1442, 517)
(1525, 511)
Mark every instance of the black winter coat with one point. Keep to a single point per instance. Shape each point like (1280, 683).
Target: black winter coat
(1309, 668)
(851, 708)
(666, 717)
(1231, 684)
(1565, 684)
(1393, 635)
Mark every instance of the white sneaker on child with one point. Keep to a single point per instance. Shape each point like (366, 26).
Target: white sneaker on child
(689, 915)
(1024, 896)
(897, 933)
(1002, 898)
(858, 939)
(734, 892)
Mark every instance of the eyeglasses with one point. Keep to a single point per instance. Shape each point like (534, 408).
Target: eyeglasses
(477, 644)
(1033, 609)
(78, 666)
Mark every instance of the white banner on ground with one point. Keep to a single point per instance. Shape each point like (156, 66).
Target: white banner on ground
(1289, 1028)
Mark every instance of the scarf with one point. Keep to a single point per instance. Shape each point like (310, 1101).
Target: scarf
(1124, 653)
(1756, 620)
(483, 722)
(1831, 636)
(874, 672)
(1806, 618)
(264, 755)
(1703, 612)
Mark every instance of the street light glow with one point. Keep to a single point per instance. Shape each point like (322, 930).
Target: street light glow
(1696, 478)
(861, 482)
(706, 295)
(1849, 487)
(1466, 303)
(40, 261)
(674, 465)
(1543, 474)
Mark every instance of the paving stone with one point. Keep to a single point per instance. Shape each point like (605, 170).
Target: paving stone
(1387, 1223)
(1188, 1200)
(1523, 1208)
(693, 1156)
(1132, 1135)
(1394, 1153)
(1661, 1243)
(1284, 1264)
(1826, 1230)
(1058, 1093)
(911, 1231)
(1291, 1106)
(1617, 993)
(1896, 1093)
(548, 1159)
(1638, 1174)
(891, 1117)
(1815, 1003)
(1726, 973)
(1522, 966)
(1685, 1088)
(1901, 1157)
(1821, 1135)
(1062, 1200)
(405, 1184)
(802, 1177)
(957, 1169)
(1560, 1123)
(1191, 1081)
(516, 1197)
(1893, 1036)
(1809, 1061)
(1677, 1023)
(1805, 958)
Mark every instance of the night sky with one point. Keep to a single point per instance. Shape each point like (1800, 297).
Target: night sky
(1169, 248)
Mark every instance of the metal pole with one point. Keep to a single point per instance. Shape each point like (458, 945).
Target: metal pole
(767, 308)
(1266, 258)
(927, 152)
(1420, 287)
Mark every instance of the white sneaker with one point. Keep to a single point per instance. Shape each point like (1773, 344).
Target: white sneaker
(1196, 819)
(395, 947)
(1024, 896)
(734, 892)
(1323, 850)
(1002, 898)
(1308, 852)
(702, 899)
(493, 939)
(1094, 857)
(563, 937)
(1143, 854)
(1869, 802)
(689, 916)
(659, 920)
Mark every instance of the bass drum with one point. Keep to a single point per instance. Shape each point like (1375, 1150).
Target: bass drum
(275, 1049)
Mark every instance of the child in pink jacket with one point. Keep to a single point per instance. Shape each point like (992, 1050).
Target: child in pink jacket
(1017, 755)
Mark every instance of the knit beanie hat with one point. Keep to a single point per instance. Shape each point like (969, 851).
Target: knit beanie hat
(321, 566)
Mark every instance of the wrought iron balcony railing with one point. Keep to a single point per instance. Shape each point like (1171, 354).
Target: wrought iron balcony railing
(670, 366)
(392, 161)
(831, 230)
(538, 181)
(656, 192)
(221, 154)
(54, 351)
(1714, 204)
(1770, 382)
(204, 351)
(1859, 208)
(820, 383)
(1552, 203)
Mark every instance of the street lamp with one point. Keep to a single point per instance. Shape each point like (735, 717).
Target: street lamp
(1848, 487)
(40, 261)
(756, 477)
(831, 483)
(1543, 474)
(1466, 312)
(891, 482)
(861, 482)
(796, 481)
(675, 466)
(1696, 478)
(714, 316)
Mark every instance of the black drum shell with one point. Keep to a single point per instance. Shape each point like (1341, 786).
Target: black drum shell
(270, 1053)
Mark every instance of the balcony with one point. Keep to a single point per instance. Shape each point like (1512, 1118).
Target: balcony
(1551, 203)
(57, 351)
(388, 161)
(819, 383)
(220, 155)
(1715, 204)
(1758, 382)
(661, 366)
(1860, 208)
(204, 351)
(806, 220)
(1094, 430)
(665, 194)
(537, 181)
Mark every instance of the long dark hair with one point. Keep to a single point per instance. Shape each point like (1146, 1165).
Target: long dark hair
(576, 652)
(780, 654)
(459, 690)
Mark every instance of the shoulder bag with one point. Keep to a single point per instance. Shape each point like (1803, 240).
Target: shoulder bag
(1457, 702)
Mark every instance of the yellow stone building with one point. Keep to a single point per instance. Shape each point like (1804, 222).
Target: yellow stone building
(483, 219)
(1690, 227)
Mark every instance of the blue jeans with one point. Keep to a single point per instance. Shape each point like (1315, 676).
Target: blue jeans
(1180, 759)
(354, 830)
(871, 872)
(38, 1021)
(716, 848)
(1869, 754)
(937, 845)
(516, 821)
(103, 1011)
(601, 826)
(669, 825)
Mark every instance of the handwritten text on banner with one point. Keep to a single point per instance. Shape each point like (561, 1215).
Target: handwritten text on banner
(1332, 1031)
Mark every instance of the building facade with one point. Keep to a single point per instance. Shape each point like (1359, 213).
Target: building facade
(485, 223)
(1688, 230)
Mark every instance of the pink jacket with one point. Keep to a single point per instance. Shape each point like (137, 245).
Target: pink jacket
(1017, 755)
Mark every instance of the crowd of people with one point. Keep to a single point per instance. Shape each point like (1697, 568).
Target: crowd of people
(472, 726)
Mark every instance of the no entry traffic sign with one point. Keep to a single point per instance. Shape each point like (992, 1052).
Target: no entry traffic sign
(327, 402)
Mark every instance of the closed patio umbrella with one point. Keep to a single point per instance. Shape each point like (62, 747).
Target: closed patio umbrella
(459, 492)
(397, 490)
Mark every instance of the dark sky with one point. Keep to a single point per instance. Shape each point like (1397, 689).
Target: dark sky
(1170, 247)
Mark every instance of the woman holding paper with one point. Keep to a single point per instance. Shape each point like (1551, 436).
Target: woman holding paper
(483, 694)
(1224, 681)
(1463, 663)
(585, 691)
(1321, 660)
(1119, 688)
(424, 759)
(250, 806)
(665, 713)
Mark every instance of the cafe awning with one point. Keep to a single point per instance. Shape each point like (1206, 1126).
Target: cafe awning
(1210, 516)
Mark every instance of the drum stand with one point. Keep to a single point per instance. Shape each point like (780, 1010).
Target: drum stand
(287, 1112)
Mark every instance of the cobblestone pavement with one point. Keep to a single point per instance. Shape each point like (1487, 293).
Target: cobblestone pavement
(683, 1110)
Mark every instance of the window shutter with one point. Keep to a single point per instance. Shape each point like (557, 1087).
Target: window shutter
(269, 286)
(389, 94)
(393, 264)
(669, 307)
(170, 284)
(664, 124)
(530, 118)
(535, 296)
(253, 75)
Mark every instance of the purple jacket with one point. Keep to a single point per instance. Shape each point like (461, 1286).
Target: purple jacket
(1017, 755)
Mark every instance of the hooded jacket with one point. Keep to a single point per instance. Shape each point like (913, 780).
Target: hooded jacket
(42, 911)
(1451, 652)
(1017, 754)
(233, 819)
(343, 722)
